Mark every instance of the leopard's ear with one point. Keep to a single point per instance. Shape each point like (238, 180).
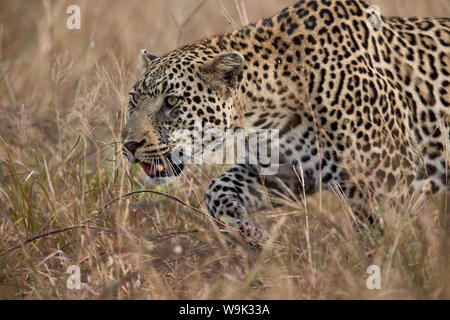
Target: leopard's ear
(226, 67)
(144, 59)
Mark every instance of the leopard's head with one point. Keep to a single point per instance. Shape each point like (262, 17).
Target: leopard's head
(179, 96)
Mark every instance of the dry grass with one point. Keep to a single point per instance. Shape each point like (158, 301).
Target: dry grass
(63, 94)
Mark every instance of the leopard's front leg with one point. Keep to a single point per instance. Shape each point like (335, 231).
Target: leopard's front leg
(233, 196)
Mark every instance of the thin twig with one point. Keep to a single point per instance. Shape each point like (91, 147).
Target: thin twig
(42, 236)
(99, 213)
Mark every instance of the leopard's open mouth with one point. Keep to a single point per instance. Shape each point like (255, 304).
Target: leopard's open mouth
(162, 168)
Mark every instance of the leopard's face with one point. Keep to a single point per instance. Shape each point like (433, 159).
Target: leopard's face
(178, 98)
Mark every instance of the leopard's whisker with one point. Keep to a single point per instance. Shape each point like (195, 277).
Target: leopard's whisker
(187, 162)
(186, 178)
(172, 170)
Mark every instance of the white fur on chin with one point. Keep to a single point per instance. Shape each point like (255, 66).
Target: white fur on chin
(161, 181)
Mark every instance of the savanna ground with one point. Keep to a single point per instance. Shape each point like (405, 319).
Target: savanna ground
(63, 97)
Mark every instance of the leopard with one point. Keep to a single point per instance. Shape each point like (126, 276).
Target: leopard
(360, 103)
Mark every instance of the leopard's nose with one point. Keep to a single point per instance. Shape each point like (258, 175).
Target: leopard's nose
(132, 146)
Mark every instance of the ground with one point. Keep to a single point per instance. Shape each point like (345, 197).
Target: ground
(63, 96)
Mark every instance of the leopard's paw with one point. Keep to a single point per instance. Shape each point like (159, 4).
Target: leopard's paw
(256, 236)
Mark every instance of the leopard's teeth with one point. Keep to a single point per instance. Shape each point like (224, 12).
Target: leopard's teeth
(160, 168)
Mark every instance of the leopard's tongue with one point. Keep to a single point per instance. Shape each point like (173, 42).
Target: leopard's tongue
(149, 170)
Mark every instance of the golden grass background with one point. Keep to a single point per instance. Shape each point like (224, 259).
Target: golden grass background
(63, 97)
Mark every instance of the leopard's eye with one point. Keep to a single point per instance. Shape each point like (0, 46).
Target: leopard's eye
(131, 108)
(172, 101)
